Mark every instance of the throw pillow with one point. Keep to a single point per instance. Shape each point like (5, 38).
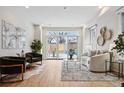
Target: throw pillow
(98, 52)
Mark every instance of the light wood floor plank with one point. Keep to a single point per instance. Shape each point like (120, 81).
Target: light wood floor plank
(51, 77)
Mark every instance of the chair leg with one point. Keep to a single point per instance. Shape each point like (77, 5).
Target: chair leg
(22, 72)
(0, 77)
(41, 62)
(22, 76)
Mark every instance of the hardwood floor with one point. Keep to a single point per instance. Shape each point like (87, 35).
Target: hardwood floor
(51, 77)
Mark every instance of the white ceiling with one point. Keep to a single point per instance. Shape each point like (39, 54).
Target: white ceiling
(56, 15)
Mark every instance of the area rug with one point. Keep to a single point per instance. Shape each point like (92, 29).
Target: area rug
(73, 72)
(31, 70)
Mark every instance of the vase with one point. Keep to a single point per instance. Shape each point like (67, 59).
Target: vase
(71, 57)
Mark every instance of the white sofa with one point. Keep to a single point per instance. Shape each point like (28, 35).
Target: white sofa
(97, 62)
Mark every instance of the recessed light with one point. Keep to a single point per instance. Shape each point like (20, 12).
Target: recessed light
(26, 6)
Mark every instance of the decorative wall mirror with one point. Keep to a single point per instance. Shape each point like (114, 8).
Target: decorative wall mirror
(108, 34)
(103, 30)
(105, 34)
(100, 41)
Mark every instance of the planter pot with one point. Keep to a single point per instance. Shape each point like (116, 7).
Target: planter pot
(71, 57)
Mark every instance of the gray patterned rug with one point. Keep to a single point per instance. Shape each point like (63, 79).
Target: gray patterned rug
(76, 72)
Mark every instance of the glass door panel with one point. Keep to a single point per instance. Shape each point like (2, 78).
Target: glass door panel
(62, 47)
(52, 47)
(72, 47)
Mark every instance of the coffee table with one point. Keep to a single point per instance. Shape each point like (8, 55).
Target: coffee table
(76, 63)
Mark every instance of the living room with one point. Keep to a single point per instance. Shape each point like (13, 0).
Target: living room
(67, 38)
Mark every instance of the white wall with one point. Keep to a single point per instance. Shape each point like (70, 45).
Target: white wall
(37, 32)
(16, 19)
(112, 21)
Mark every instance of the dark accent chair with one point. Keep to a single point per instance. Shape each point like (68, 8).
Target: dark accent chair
(122, 84)
(33, 57)
(12, 65)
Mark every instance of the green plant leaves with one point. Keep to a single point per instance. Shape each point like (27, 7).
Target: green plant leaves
(36, 46)
(119, 43)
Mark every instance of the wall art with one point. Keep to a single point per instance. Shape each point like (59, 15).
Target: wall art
(12, 37)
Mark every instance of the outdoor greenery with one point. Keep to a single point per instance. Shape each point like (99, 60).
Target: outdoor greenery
(119, 44)
(36, 46)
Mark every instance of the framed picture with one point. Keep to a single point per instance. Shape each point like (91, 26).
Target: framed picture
(12, 37)
(21, 37)
(8, 35)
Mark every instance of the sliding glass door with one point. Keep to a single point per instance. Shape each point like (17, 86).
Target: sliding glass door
(60, 43)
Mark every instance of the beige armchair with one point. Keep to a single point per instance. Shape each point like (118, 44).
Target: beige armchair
(97, 62)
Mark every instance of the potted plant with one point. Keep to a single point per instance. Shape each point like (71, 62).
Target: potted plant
(36, 46)
(71, 53)
(119, 44)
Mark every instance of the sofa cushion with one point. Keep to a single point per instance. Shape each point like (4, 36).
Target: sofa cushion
(85, 54)
(93, 53)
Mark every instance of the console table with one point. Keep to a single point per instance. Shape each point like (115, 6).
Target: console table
(119, 64)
